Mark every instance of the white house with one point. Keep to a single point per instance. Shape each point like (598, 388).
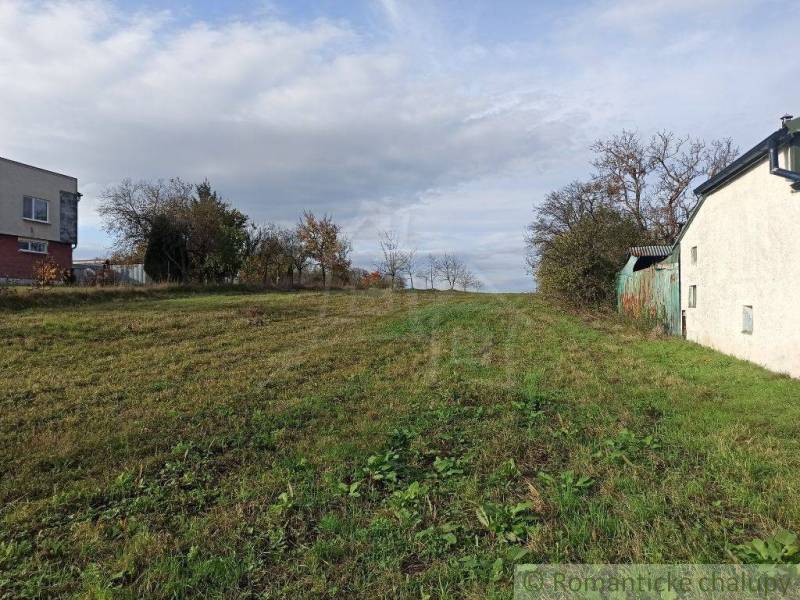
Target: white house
(740, 256)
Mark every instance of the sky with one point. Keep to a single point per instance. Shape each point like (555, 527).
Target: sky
(443, 121)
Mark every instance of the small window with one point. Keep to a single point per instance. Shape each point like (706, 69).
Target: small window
(35, 209)
(35, 246)
(692, 296)
(747, 319)
(694, 255)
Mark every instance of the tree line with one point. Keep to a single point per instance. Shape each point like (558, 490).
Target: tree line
(639, 193)
(186, 232)
(397, 264)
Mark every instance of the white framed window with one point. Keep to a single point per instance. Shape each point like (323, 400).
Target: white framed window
(692, 296)
(694, 255)
(747, 319)
(35, 209)
(35, 246)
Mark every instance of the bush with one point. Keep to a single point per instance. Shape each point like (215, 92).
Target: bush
(581, 265)
(47, 272)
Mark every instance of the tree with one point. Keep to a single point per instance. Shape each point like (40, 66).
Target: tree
(411, 265)
(269, 258)
(560, 211)
(433, 268)
(166, 258)
(652, 181)
(640, 193)
(130, 208)
(215, 234)
(324, 243)
(395, 260)
(296, 254)
(622, 169)
(451, 268)
(217, 238)
(580, 265)
(467, 279)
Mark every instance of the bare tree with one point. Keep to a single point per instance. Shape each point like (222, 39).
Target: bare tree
(623, 165)
(433, 269)
(424, 274)
(451, 269)
(467, 280)
(395, 260)
(130, 208)
(411, 265)
(560, 211)
(652, 181)
(719, 154)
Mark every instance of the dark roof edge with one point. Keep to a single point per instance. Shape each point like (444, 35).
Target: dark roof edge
(21, 164)
(744, 162)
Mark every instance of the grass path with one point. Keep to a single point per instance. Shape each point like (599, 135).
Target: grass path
(369, 445)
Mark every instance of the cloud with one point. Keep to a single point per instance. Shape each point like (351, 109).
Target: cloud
(304, 112)
(421, 120)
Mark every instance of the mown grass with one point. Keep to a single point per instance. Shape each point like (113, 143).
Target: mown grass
(371, 445)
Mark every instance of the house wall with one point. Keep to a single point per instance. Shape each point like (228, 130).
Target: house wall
(18, 180)
(61, 232)
(16, 265)
(747, 235)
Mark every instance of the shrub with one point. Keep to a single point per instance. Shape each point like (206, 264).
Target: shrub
(47, 272)
(581, 265)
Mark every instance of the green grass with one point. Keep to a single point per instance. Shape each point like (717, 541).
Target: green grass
(229, 445)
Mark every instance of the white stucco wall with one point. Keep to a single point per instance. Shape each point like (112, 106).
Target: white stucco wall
(18, 180)
(747, 235)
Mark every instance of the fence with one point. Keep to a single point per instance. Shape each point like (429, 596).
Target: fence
(123, 274)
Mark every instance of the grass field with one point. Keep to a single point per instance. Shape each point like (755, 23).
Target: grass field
(369, 445)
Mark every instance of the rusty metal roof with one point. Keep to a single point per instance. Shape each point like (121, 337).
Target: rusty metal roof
(657, 251)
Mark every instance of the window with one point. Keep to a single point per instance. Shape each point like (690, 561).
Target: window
(36, 246)
(692, 296)
(35, 209)
(747, 319)
(694, 255)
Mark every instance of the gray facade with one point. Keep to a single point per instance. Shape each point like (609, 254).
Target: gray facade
(57, 192)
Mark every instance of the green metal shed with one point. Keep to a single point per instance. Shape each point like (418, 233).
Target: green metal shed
(648, 287)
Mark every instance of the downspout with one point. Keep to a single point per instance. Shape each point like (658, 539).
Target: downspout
(78, 197)
(775, 168)
(791, 125)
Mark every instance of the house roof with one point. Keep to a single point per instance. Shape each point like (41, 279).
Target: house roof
(790, 133)
(652, 251)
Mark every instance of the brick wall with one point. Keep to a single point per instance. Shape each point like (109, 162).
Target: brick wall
(19, 265)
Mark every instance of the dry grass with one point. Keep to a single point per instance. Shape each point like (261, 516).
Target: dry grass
(185, 444)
